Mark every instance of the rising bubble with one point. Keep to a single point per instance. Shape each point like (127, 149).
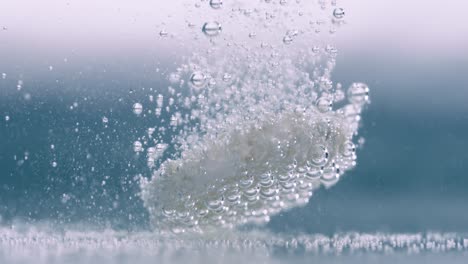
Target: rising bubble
(339, 13)
(216, 4)
(211, 29)
(137, 108)
(358, 93)
(197, 79)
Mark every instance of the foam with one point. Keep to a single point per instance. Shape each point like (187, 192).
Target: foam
(34, 244)
(275, 159)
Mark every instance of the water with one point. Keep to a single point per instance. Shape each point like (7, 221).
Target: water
(230, 145)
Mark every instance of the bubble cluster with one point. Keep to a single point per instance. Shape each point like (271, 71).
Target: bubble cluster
(253, 121)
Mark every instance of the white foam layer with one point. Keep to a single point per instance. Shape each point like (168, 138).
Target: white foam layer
(39, 246)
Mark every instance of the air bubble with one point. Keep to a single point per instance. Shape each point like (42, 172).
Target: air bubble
(314, 173)
(358, 93)
(348, 148)
(197, 79)
(287, 40)
(163, 33)
(339, 13)
(137, 108)
(215, 205)
(216, 4)
(211, 29)
(227, 77)
(324, 104)
(319, 156)
(137, 146)
(331, 50)
(325, 84)
(174, 77)
(290, 35)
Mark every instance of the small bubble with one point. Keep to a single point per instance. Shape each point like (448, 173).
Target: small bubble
(54, 164)
(160, 100)
(325, 84)
(361, 142)
(4, 76)
(348, 148)
(7, 118)
(227, 77)
(65, 198)
(163, 33)
(358, 93)
(104, 119)
(324, 104)
(137, 146)
(174, 77)
(289, 37)
(287, 40)
(52, 146)
(330, 49)
(19, 86)
(211, 29)
(216, 4)
(339, 13)
(331, 173)
(339, 95)
(319, 156)
(137, 108)
(51, 68)
(198, 79)
(151, 151)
